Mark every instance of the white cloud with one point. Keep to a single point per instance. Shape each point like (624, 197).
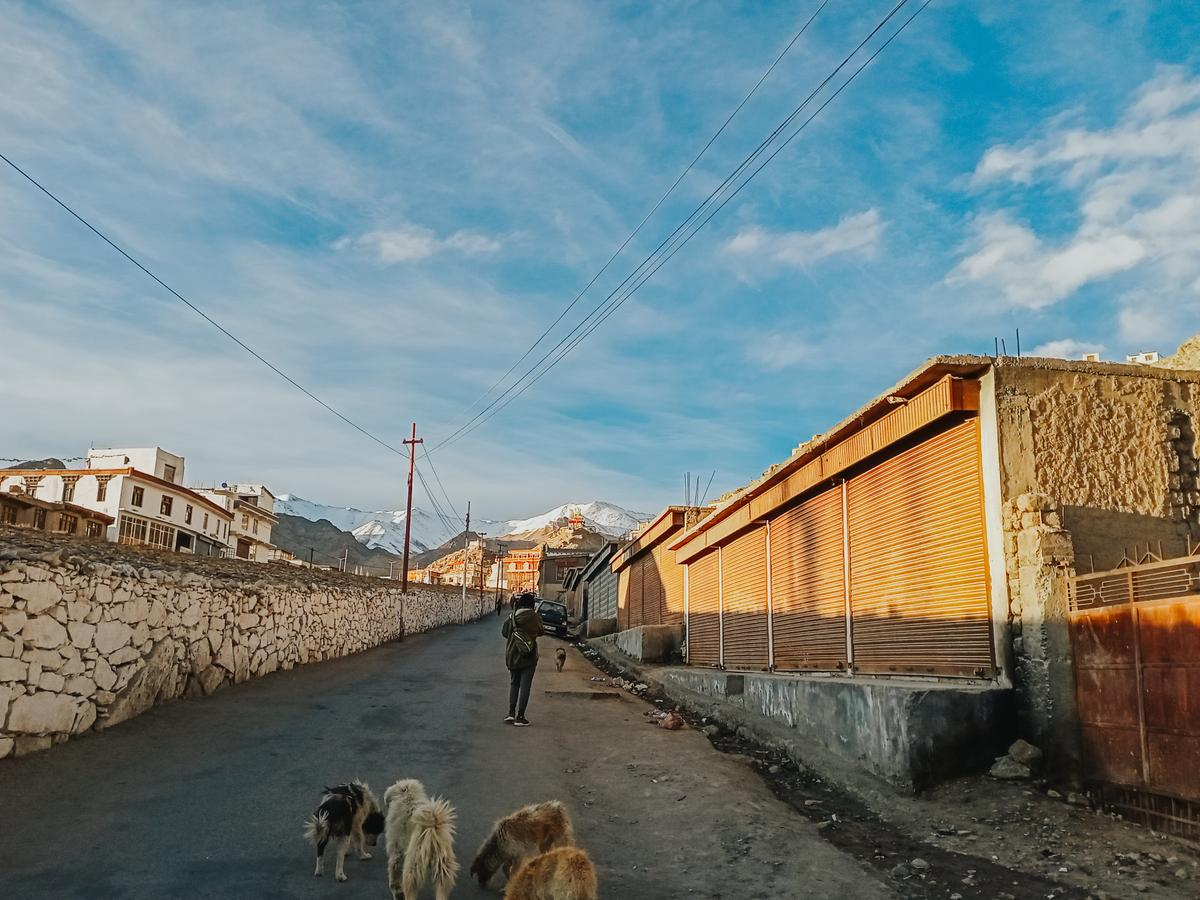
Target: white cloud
(1136, 188)
(1066, 348)
(853, 234)
(775, 352)
(412, 243)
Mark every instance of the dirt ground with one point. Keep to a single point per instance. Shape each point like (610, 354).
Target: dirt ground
(969, 837)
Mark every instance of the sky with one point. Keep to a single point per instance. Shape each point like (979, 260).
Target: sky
(391, 202)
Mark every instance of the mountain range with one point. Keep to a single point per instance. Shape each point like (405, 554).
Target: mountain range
(384, 529)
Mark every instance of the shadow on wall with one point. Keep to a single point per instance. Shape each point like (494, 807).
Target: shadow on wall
(1100, 536)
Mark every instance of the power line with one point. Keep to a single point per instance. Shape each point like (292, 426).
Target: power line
(198, 311)
(438, 478)
(608, 306)
(653, 209)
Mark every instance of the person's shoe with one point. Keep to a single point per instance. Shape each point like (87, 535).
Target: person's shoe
(521, 722)
(508, 720)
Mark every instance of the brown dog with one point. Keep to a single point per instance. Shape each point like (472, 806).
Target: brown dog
(565, 873)
(529, 831)
(560, 658)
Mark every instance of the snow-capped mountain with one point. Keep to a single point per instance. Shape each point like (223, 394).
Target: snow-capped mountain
(385, 528)
(382, 528)
(606, 518)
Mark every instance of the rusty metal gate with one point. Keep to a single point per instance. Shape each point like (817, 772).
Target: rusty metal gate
(1135, 634)
(704, 610)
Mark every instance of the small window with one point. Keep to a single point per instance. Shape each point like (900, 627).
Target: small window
(67, 524)
(68, 490)
(187, 514)
(245, 521)
(206, 521)
(94, 529)
(139, 495)
(165, 506)
(101, 488)
(8, 514)
(254, 526)
(39, 518)
(169, 473)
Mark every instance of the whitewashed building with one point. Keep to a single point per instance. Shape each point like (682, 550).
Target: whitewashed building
(253, 509)
(142, 490)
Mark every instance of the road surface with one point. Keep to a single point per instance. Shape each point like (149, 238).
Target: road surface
(205, 798)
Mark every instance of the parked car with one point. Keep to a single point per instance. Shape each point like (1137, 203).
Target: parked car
(554, 616)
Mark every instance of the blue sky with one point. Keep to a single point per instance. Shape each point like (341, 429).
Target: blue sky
(391, 201)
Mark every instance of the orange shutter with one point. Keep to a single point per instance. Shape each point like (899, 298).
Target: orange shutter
(744, 601)
(624, 585)
(671, 575)
(808, 585)
(651, 590)
(704, 610)
(918, 562)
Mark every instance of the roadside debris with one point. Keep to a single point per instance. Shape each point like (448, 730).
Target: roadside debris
(1020, 763)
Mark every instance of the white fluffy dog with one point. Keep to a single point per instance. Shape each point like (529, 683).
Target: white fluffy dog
(420, 842)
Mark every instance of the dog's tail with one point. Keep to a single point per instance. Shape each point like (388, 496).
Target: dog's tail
(316, 829)
(430, 852)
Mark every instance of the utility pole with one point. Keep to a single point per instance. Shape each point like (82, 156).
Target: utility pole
(390, 564)
(462, 616)
(310, 556)
(499, 566)
(482, 560)
(412, 462)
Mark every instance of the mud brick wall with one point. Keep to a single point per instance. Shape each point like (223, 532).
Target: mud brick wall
(1096, 464)
(92, 634)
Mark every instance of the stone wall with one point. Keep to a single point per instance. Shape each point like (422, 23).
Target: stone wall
(1097, 463)
(92, 634)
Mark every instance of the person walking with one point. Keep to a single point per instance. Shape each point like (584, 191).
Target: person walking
(521, 630)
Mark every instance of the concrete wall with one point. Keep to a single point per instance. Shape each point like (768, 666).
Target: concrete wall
(908, 733)
(1094, 461)
(648, 643)
(92, 634)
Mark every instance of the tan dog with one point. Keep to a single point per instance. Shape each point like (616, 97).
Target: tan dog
(420, 842)
(560, 658)
(527, 832)
(565, 873)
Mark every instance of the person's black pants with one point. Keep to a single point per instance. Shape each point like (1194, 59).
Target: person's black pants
(520, 684)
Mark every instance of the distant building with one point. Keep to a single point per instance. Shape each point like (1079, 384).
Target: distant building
(252, 507)
(141, 490)
(20, 510)
(1145, 358)
(556, 565)
(599, 599)
(521, 568)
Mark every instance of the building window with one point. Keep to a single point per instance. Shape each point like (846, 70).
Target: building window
(245, 521)
(133, 530)
(161, 536)
(206, 521)
(39, 519)
(139, 495)
(165, 506)
(101, 487)
(187, 514)
(8, 514)
(68, 489)
(67, 523)
(169, 473)
(94, 529)
(254, 526)
(31, 484)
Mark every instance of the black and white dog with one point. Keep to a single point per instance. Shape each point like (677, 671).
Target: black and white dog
(349, 814)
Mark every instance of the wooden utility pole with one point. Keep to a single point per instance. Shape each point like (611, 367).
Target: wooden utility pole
(412, 462)
(462, 616)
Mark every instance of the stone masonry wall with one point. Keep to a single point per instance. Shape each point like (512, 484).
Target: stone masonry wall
(92, 634)
(1097, 463)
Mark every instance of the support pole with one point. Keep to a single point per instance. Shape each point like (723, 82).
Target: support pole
(462, 615)
(412, 462)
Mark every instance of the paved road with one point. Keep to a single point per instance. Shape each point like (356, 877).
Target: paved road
(205, 798)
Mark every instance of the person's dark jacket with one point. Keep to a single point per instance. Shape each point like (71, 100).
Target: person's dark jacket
(529, 623)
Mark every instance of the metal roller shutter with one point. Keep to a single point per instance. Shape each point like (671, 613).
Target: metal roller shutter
(808, 598)
(671, 574)
(624, 586)
(651, 590)
(918, 585)
(704, 611)
(744, 601)
(636, 592)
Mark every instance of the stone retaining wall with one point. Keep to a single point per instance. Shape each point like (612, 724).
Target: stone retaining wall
(92, 634)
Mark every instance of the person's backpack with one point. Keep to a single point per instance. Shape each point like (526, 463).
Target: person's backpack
(520, 648)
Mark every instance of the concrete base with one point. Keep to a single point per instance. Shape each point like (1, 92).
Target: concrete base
(599, 627)
(908, 732)
(648, 643)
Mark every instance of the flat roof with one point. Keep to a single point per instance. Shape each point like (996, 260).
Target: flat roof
(130, 471)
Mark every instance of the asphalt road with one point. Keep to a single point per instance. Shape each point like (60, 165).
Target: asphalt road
(206, 798)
